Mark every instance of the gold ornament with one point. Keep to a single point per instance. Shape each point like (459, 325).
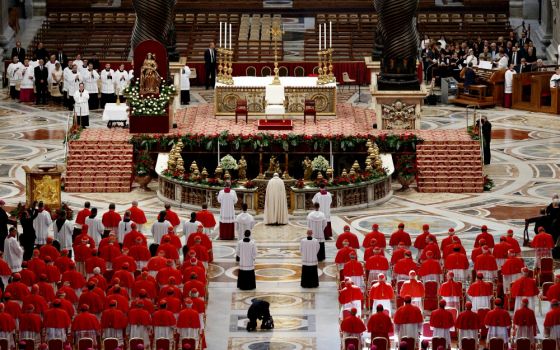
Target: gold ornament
(356, 166)
(344, 173)
(218, 172)
(319, 176)
(204, 174)
(352, 172)
(329, 173)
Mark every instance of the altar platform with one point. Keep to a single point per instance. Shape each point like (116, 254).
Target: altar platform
(297, 90)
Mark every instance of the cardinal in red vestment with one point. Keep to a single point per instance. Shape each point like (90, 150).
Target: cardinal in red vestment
(498, 321)
(450, 239)
(134, 238)
(347, 235)
(136, 214)
(525, 322)
(451, 291)
(7, 326)
(408, 319)
(468, 323)
(111, 218)
(83, 214)
(400, 236)
(380, 324)
(398, 253)
(552, 321)
(412, 287)
(441, 320)
(352, 325)
(404, 266)
(524, 286)
(430, 269)
(86, 324)
(421, 240)
(171, 216)
(488, 238)
(513, 242)
(374, 234)
(206, 218)
(553, 291)
(343, 254)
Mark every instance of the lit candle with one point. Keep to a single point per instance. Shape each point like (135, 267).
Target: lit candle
(320, 37)
(225, 35)
(325, 36)
(220, 34)
(330, 34)
(230, 36)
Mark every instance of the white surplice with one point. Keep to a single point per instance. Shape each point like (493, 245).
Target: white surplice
(160, 229)
(64, 235)
(276, 202)
(244, 222)
(13, 253)
(121, 80)
(107, 85)
(189, 228)
(81, 106)
(90, 80)
(41, 225)
(309, 249)
(123, 229)
(247, 253)
(227, 206)
(317, 222)
(325, 201)
(95, 229)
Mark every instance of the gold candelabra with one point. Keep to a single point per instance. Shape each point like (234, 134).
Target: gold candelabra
(277, 33)
(225, 66)
(325, 72)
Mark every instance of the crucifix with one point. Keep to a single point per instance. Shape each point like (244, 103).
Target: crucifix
(277, 32)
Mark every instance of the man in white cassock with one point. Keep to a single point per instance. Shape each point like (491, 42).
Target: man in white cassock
(13, 252)
(95, 226)
(227, 199)
(243, 222)
(41, 225)
(246, 254)
(275, 203)
(309, 248)
(324, 198)
(317, 222)
(63, 230)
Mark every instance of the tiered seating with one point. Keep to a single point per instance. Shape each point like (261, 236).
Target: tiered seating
(255, 38)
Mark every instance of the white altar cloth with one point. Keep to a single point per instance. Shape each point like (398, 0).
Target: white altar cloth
(114, 112)
(285, 81)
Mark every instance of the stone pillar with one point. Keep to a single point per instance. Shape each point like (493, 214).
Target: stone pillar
(544, 31)
(531, 9)
(552, 49)
(516, 8)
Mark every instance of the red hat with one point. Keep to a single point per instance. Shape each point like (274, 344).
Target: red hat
(28, 307)
(498, 302)
(194, 290)
(112, 302)
(188, 301)
(48, 259)
(450, 274)
(554, 302)
(16, 276)
(511, 252)
(407, 298)
(49, 239)
(125, 266)
(412, 273)
(64, 252)
(379, 308)
(352, 255)
(510, 232)
(163, 302)
(353, 311)
(381, 276)
(193, 261)
(7, 295)
(346, 228)
(171, 280)
(57, 302)
(425, 227)
(408, 253)
(484, 228)
(479, 275)
(84, 307)
(442, 303)
(133, 226)
(502, 238)
(71, 264)
(170, 229)
(482, 241)
(540, 229)
(468, 305)
(142, 292)
(169, 262)
(451, 230)
(525, 270)
(401, 225)
(525, 301)
(375, 226)
(166, 239)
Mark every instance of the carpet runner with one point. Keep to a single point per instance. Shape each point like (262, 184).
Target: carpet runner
(99, 163)
(449, 165)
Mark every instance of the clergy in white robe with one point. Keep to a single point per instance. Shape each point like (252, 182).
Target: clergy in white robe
(66, 76)
(309, 248)
(26, 91)
(91, 79)
(107, 85)
(63, 230)
(121, 81)
(160, 228)
(95, 227)
(317, 222)
(13, 252)
(246, 254)
(185, 85)
(276, 202)
(81, 106)
(125, 226)
(14, 74)
(227, 199)
(243, 222)
(41, 225)
(324, 198)
(190, 226)
(51, 65)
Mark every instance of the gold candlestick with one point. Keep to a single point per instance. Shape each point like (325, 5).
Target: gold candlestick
(320, 70)
(276, 35)
(332, 79)
(230, 68)
(326, 67)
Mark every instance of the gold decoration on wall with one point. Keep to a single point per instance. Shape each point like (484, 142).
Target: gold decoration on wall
(398, 116)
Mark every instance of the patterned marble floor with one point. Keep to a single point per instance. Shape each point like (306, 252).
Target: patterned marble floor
(525, 168)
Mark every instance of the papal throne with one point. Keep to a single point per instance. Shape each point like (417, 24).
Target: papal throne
(274, 101)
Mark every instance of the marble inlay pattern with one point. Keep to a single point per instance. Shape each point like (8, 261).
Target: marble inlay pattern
(282, 323)
(273, 343)
(278, 301)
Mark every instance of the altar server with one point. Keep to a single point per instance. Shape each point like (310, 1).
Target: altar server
(13, 252)
(317, 222)
(74, 80)
(91, 79)
(26, 91)
(441, 320)
(125, 226)
(309, 248)
(246, 254)
(81, 106)
(160, 228)
(41, 224)
(408, 320)
(498, 321)
(324, 198)
(107, 85)
(275, 203)
(66, 81)
(227, 199)
(191, 226)
(243, 222)
(121, 82)
(185, 85)
(14, 74)
(95, 226)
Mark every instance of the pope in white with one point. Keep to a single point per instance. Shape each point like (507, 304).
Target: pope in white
(227, 199)
(276, 203)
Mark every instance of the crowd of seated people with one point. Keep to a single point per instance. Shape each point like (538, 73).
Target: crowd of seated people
(444, 295)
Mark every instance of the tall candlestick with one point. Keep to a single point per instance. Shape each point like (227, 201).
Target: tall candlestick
(225, 35)
(220, 34)
(230, 36)
(325, 36)
(330, 34)
(320, 37)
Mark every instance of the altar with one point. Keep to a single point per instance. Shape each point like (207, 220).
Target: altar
(296, 89)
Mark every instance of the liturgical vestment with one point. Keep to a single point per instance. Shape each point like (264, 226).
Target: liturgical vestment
(276, 203)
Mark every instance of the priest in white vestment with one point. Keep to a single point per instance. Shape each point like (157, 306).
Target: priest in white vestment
(161, 227)
(309, 248)
(13, 252)
(81, 106)
(276, 202)
(227, 199)
(324, 198)
(190, 226)
(41, 225)
(63, 230)
(246, 254)
(95, 227)
(317, 222)
(243, 222)
(125, 226)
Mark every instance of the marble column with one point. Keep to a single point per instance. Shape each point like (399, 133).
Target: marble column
(544, 31)
(554, 23)
(516, 8)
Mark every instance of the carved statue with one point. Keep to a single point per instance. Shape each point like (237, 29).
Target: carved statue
(307, 169)
(273, 165)
(400, 44)
(242, 169)
(149, 76)
(154, 19)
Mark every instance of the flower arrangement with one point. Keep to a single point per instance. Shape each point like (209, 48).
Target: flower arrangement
(228, 163)
(144, 164)
(319, 163)
(148, 105)
(250, 184)
(300, 184)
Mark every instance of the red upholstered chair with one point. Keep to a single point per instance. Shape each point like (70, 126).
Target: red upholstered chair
(163, 343)
(427, 331)
(190, 341)
(549, 344)
(523, 343)
(481, 315)
(411, 342)
(351, 340)
(109, 344)
(438, 341)
(134, 342)
(29, 344)
(241, 110)
(431, 296)
(468, 344)
(380, 343)
(4, 344)
(309, 110)
(496, 344)
(85, 343)
(55, 344)
(545, 287)
(546, 273)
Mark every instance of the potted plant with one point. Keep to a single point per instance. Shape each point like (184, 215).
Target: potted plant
(406, 170)
(142, 169)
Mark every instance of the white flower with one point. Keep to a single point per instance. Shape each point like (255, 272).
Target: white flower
(319, 163)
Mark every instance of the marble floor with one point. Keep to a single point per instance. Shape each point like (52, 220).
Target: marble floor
(525, 169)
